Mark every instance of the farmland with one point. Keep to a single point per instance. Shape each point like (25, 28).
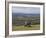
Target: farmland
(18, 21)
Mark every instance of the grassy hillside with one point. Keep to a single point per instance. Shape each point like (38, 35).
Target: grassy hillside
(18, 28)
(18, 21)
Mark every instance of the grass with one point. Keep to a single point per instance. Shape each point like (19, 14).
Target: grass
(21, 28)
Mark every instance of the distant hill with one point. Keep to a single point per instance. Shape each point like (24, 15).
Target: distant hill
(22, 14)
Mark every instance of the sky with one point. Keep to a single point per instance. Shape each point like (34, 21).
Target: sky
(27, 10)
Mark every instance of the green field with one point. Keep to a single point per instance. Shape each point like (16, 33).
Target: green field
(21, 28)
